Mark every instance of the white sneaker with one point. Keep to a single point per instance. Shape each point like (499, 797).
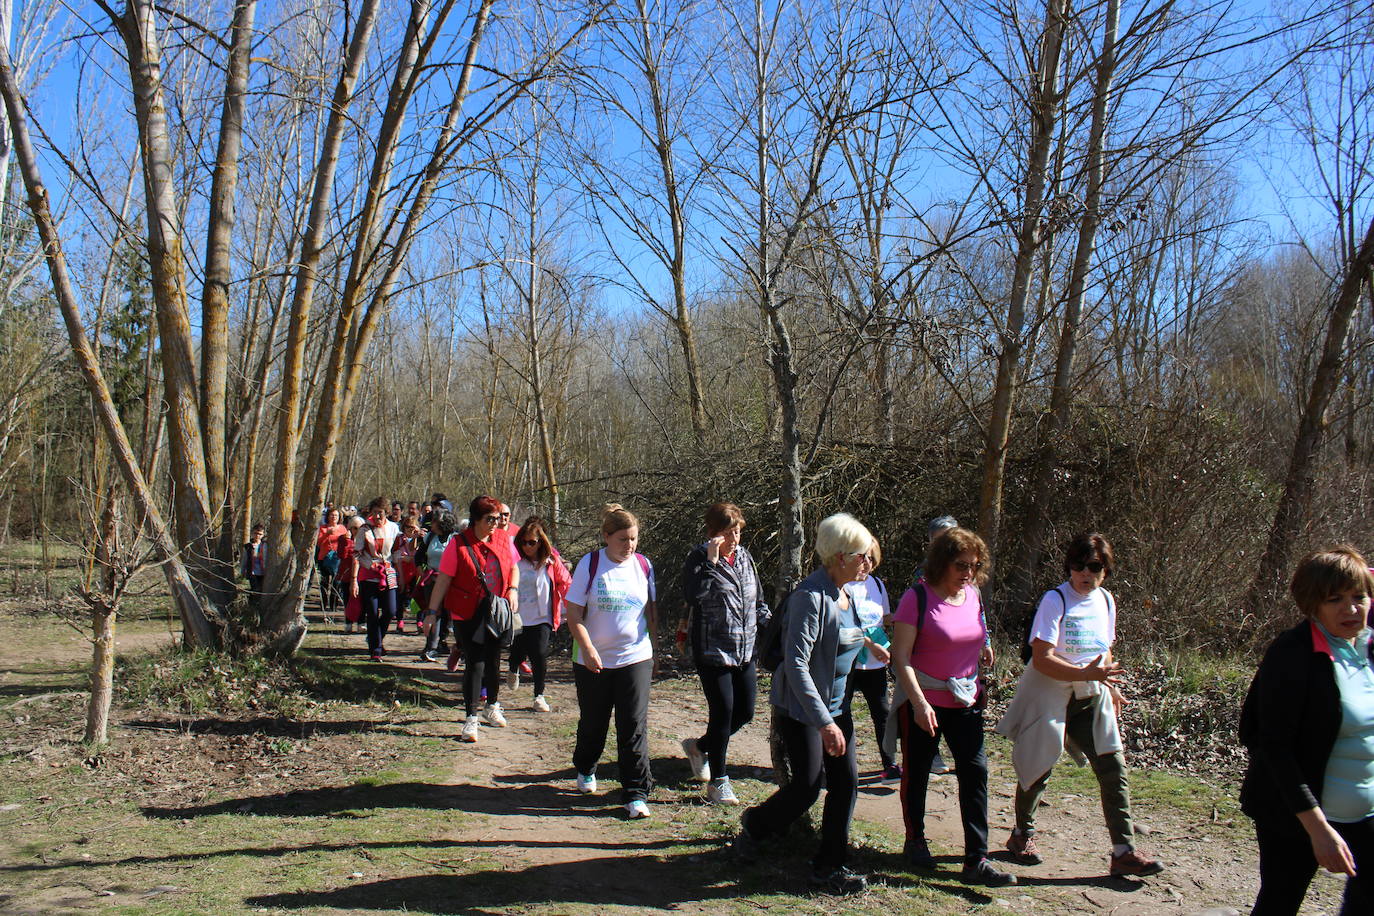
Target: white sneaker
(696, 760)
(492, 715)
(470, 729)
(586, 784)
(637, 809)
(720, 793)
(513, 680)
(541, 704)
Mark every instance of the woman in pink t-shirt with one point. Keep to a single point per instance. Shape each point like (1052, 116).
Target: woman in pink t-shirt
(938, 642)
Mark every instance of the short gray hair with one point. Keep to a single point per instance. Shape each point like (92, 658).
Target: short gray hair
(841, 533)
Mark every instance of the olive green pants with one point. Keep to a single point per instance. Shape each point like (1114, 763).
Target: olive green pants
(1110, 770)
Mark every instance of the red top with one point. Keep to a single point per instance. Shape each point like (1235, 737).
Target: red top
(328, 539)
(465, 591)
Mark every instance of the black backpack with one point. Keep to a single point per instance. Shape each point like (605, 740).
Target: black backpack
(768, 647)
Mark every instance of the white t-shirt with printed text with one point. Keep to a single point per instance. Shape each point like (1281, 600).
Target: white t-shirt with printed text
(616, 605)
(1080, 628)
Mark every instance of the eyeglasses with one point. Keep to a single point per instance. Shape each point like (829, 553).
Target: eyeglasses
(490, 518)
(1094, 567)
(862, 556)
(965, 566)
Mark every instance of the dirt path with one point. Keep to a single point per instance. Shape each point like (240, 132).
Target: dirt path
(521, 777)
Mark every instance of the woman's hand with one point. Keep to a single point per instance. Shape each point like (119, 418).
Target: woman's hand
(1096, 670)
(1118, 698)
(832, 740)
(987, 658)
(591, 660)
(1331, 852)
(713, 549)
(924, 715)
(353, 588)
(878, 653)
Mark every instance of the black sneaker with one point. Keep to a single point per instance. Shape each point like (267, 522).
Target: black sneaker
(837, 881)
(917, 853)
(982, 872)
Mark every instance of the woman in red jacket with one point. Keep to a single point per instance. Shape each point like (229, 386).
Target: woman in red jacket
(476, 563)
(544, 582)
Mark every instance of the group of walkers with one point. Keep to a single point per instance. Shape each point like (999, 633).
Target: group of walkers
(1308, 721)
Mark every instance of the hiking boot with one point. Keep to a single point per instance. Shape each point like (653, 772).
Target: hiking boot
(719, 792)
(586, 784)
(493, 716)
(696, 759)
(540, 704)
(1021, 848)
(512, 680)
(637, 809)
(470, 729)
(982, 872)
(917, 853)
(837, 880)
(892, 773)
(1131, 863)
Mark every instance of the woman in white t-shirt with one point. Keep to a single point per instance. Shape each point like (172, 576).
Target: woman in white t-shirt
(374, 578)
(1071, 691)
(544, 583)
(869, 676)
(612, 617)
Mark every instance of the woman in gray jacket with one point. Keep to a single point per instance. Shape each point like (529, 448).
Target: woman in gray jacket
(720, 585)
(821, 637)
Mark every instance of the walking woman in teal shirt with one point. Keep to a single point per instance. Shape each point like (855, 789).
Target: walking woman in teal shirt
(1308, 723)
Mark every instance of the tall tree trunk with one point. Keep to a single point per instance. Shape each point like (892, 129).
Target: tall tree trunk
(214, 330)
(1298, 483)
(1044, 110)
(1061, 393)
(201, 623)
(104, 609)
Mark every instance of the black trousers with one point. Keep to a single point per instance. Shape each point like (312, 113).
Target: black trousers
(624, 691)
(481, 666)
(379, 607)
(812, 769)
(963, 730)
(1287, 865)
(872, 683)
(730, 694)
(532, 645)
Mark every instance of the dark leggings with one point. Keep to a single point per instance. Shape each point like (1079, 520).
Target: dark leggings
(483, 666)
(812, 769)
(872, 683)
(533, 645)
(1287, 865)
(730, 692)
(379, 606)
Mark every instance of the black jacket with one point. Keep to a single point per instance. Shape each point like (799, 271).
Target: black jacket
(1289, 723)
(727, 605)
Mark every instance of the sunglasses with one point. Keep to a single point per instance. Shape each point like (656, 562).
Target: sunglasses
(505, 515)
(490, 518)
(1094, 567)
(532, 542)
(965, 566)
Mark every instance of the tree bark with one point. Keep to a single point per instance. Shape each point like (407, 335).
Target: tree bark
(1299, 481)
(1061, 393)
(1044, 116)
(201, 623)
(104, 608)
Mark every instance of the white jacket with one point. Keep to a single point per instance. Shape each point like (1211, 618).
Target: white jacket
(1035, 722)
